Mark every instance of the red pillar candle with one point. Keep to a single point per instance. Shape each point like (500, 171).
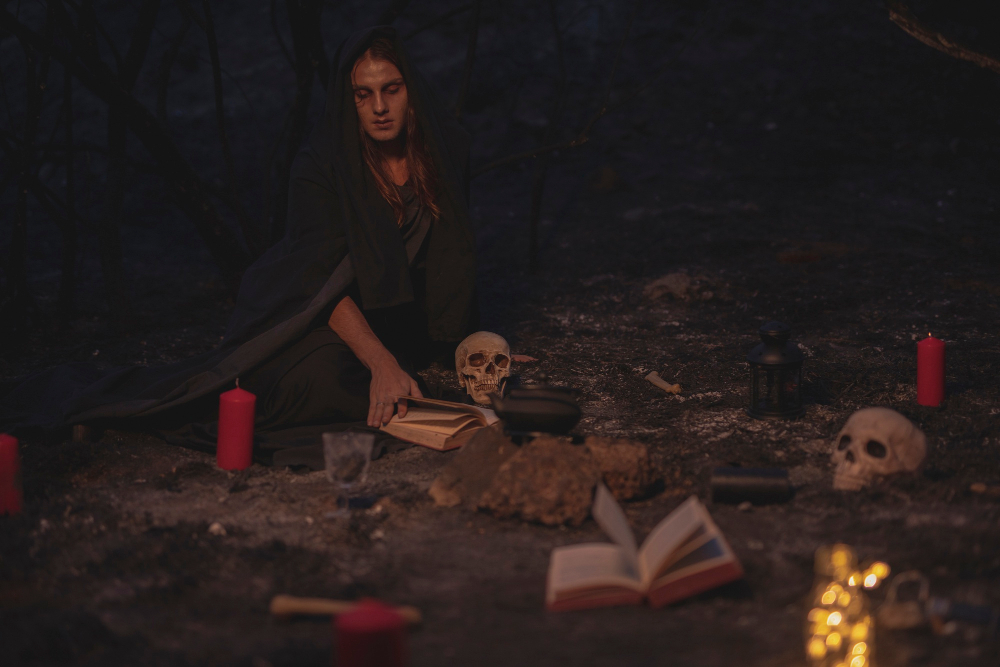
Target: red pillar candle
(370, 635)
(235, 443)
(10, 476)
(930, 371)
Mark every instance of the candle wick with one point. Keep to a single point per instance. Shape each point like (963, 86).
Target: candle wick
(237, 383)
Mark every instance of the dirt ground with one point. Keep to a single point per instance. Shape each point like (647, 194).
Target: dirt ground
(806, 162)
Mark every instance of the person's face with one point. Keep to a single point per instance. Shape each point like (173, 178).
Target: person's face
(380, 97)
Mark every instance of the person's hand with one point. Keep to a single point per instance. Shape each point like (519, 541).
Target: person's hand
(389, 381)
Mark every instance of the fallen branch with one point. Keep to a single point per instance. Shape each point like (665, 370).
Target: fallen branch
(901, 15)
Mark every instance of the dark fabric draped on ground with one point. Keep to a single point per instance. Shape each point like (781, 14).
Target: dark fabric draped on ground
(342, 237)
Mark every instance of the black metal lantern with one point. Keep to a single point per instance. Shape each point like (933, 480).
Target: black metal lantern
(775, 375)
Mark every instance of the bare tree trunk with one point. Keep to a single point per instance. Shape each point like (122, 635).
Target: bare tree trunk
(167, 65)
(537, 192)
(19, 303)
(470, 59)
(67, 281)
(109, 231)
(310, 60)
(251, 234)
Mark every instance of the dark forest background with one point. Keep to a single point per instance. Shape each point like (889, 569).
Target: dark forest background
(145, 140)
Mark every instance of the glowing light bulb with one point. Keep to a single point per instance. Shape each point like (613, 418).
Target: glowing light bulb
(859, 661)
(834, 618)
(834, 640)
(840, 557)
(859, 632)
(844, 599)
(829, 597)
(871, 581)
(853, 580)
(818, 615)
(816, 648)
(879, 569)
(859, 648)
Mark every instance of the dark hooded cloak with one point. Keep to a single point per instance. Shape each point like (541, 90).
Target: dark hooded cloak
(341, 237)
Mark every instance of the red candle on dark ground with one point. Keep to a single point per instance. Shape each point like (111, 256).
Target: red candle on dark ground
(11, 500)
(930, 371)
(234, 447)
(370, 635)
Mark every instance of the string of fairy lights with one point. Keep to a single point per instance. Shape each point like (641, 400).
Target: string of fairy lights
(839, 629)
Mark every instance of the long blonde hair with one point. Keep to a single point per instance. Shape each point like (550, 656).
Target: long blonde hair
(422, 174)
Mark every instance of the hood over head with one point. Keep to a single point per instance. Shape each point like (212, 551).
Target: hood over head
(375, 244)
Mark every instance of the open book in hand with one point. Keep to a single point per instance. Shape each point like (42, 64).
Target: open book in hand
(684, 554)
(440, 425)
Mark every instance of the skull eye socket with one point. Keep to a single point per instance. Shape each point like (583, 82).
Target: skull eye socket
(876, 449)
(844, 442)
(501, 360)
(477, 359)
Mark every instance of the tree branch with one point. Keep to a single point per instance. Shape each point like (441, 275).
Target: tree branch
(440, 19)
(901, 15)
(277, 34)
(185, 183)
(584, 134)
(392, 12)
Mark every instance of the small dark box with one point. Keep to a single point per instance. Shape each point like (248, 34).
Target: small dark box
(759, 486)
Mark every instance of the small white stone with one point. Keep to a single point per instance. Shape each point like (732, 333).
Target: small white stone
(217, 529)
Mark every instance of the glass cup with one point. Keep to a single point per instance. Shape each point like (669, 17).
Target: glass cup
(347, 455)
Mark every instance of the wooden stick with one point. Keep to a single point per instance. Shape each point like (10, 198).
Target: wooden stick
(901, 15)
(288, 605)
(655, 378)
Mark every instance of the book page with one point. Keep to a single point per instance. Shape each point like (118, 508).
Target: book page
(434, 420)
(487, 416)
(582, 566)
(668, 535)
(609, 516)
(707, 551)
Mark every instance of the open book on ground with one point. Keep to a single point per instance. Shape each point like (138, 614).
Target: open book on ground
(440, 425)
(683, 555)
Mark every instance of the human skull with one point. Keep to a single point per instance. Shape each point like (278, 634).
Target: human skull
(873, 443)
(482, 362)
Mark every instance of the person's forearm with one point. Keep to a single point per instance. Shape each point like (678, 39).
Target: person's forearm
(348, 322)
